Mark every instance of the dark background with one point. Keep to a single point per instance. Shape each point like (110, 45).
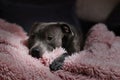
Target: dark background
(26, 12)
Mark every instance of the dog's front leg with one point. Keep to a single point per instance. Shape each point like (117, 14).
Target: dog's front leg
(58, 62)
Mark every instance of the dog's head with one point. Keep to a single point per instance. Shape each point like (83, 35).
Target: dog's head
(47, 36)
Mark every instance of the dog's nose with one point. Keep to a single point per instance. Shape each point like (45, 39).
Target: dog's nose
(35, 53)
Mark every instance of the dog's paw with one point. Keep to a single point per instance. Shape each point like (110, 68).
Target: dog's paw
(58, 62)
(56, 65)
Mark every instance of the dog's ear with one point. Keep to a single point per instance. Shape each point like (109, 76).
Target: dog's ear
(35, 24)
(66, 28)
(33, 27)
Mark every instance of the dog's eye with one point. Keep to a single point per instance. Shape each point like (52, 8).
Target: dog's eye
(49, 38)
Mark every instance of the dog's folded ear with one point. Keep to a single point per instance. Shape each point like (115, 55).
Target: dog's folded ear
(66, 28)
(33, 27)
(35, 24)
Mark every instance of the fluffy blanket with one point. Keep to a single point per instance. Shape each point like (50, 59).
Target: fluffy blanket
(100, 59)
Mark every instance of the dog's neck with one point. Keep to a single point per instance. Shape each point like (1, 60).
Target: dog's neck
(95, 10)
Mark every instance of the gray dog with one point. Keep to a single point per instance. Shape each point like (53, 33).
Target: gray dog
(47, 36)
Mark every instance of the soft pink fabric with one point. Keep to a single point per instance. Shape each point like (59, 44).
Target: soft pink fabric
(98, 61)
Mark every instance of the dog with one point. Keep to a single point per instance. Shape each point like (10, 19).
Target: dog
(46, 36)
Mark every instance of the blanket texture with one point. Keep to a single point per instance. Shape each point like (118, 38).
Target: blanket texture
(100, 59)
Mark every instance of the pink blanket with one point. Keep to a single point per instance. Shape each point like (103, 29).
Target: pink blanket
(100, 59)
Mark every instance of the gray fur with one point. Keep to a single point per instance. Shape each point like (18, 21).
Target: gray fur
(49, 35)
